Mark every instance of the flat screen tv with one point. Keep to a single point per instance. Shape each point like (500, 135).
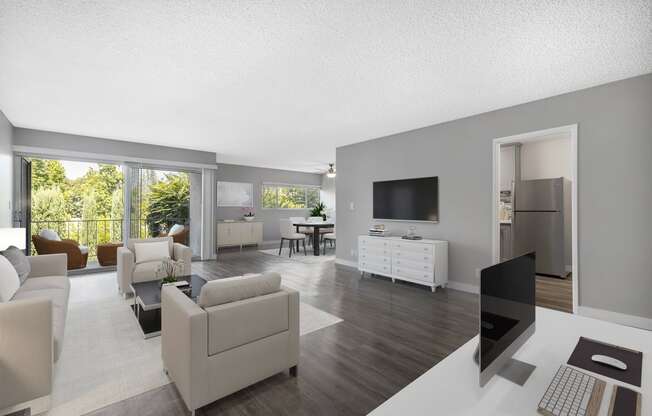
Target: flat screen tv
(407, 199)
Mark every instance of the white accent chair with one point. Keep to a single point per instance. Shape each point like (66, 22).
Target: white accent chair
(130, 270)
(242, 330)
(288, 233)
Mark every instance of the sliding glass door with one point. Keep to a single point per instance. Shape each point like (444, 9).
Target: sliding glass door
(164, 202)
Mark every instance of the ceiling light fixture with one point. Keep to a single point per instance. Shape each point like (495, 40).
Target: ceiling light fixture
(330, 172)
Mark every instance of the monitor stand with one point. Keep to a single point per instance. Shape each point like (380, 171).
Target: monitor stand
(516, 371)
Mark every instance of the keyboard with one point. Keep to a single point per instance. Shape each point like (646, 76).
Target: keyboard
(572, 393)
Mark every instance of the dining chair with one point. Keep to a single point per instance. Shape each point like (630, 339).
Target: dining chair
(330, 238)
(288, 233)
(303, 230)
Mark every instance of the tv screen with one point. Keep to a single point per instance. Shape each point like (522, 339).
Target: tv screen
(507, 309)
(407, 199)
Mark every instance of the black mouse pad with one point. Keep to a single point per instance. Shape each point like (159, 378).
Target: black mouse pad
(586, 348)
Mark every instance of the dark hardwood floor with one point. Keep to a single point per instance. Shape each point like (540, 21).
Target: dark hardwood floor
(555, 293)
(390, 334)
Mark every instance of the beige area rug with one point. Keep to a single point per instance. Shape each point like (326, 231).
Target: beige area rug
(105, 358)
(300, 257)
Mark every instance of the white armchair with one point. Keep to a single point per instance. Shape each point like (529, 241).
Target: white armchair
(243, 330)
(129, 270)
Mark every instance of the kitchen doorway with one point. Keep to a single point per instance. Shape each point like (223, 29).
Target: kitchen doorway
(534, 202)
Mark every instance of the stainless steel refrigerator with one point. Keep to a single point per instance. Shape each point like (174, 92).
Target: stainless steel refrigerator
(541, 223)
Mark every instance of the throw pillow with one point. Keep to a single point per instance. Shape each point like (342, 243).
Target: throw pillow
(233, 289)
(19, 260)
(176, 228)
(9, 281)
(152, 251)
(49, 235)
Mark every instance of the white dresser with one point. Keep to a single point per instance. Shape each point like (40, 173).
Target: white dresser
(239, 233)
(422, 261)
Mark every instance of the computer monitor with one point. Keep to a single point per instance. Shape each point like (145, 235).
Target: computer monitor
(507, 317)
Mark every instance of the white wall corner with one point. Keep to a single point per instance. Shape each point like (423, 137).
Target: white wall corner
(348, 263)
(464, 287)
(616, 317)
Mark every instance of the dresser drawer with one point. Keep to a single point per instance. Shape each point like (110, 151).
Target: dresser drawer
(424, 276)
(408, 247)
(375, 258)
(384, 269)
(421, 266)
(376, 251)
(414, 257)
(374, 242)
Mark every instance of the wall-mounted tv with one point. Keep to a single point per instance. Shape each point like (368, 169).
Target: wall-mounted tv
(407, 199)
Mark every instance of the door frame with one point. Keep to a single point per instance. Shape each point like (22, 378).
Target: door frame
(495, 195)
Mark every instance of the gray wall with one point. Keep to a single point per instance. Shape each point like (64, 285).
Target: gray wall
(327, 194)
(86, 144)
(615, 191)
(270, 217)
(6, 171)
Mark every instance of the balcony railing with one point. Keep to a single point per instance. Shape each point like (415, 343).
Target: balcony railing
(90, 233)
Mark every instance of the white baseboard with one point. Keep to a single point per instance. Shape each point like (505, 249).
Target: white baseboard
(349, 263)
(36, 406)
(464, 287)
(616, 317)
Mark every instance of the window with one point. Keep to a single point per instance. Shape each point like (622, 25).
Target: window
(290, 196)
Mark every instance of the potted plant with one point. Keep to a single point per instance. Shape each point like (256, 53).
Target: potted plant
(169, 269)
(319, 211)
(249, 215)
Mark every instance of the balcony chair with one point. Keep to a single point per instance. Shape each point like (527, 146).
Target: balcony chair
(49, 242)
(179, 234)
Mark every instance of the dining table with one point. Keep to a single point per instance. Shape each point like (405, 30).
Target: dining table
(316, 226)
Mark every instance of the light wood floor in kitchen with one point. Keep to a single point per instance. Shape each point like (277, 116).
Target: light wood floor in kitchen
(390, 335)
(555, 293)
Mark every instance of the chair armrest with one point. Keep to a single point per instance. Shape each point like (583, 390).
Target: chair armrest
(125, 268)
(48, 265)
(181, 252)
(26, 350)
(293, 325)
(184, 344)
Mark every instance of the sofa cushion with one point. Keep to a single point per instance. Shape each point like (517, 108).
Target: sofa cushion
(19, 260)
(9, 280)
(46, 282)
(59, 298)
(144, 272)
(233, 324)
(233, 289)
(49, 235)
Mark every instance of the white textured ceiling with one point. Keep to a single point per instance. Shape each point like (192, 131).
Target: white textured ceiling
(282, 83)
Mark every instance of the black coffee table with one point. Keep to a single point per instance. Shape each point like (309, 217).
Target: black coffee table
(147, 302)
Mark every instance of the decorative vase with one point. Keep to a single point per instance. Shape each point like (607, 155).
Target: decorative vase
(248, 219)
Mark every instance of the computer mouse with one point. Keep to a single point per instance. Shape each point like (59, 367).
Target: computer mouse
(612, 362)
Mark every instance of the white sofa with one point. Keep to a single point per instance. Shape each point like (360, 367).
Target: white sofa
(32, 325)
(241, 331)
(129, 271)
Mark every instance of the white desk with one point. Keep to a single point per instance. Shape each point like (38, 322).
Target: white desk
(451, 387)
